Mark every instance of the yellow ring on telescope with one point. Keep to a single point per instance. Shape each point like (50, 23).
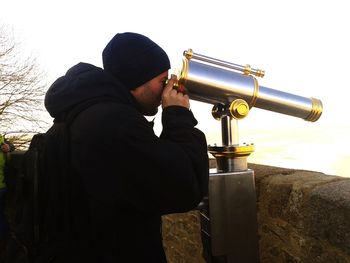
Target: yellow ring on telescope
(240, 151)
(316, 110)
(184, 72)
(255, 93)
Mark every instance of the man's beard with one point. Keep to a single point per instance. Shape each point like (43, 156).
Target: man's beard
(149, 111)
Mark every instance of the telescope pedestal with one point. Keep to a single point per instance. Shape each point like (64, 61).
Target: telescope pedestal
(229, 216)
(229, 221)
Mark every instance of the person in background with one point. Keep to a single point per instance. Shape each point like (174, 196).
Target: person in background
(122, 185)
(5, 148)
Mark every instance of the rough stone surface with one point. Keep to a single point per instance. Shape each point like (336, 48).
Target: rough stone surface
(181, 238)
(329, 214)
(303, 217)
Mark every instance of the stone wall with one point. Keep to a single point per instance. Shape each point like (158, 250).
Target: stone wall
(181, 238)
(303, 216)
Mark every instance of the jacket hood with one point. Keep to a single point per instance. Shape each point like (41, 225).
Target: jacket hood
(83, 82)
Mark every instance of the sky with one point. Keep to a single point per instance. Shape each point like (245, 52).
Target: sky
(303, 46)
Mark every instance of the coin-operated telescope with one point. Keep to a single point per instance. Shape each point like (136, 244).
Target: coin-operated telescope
(228, 214)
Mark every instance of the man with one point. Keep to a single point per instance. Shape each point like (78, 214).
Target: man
(5, 147)
(124, 176)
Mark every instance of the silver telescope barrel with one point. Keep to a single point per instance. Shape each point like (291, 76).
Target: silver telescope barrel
(215, 81)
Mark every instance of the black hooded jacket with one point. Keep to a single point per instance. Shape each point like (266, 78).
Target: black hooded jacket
(126, 177)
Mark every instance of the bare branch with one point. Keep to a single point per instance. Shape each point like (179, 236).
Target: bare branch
(22, 90)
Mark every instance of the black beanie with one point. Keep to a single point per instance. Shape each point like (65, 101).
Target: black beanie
(134, 59)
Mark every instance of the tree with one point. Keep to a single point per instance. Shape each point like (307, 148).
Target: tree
(21, 92)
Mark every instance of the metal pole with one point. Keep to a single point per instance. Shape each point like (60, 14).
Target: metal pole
(229, 218)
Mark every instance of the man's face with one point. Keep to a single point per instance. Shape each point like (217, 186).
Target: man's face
(149, 95)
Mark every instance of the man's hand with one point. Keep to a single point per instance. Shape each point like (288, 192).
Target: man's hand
(171, 97)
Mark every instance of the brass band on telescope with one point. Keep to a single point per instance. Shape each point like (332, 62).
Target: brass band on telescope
(179, 86)
(184, 72)
(255, 93)
(316, 110)
(231, 151)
